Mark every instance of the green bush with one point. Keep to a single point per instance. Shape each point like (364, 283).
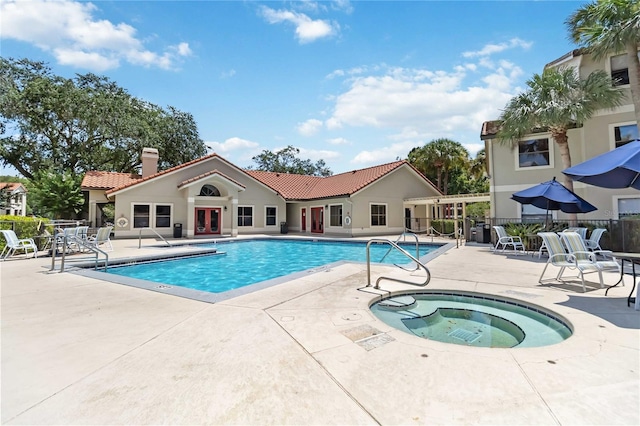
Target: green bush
(446, 227)
(24, 227)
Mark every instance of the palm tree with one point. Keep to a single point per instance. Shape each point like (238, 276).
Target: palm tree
(611, 26)
(556, 101)
(439, 157)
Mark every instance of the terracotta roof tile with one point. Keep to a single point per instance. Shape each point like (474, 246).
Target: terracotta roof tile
(289, 186)
(210, 173)
(107, 180)
(10, 186)
(302, 187)
(164, 172)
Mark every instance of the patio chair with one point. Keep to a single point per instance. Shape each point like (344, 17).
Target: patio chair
(102, 237)
(603, 259)
(593, 243)
(505, 240)
(559, 257)
(15, 244)
(580, 231)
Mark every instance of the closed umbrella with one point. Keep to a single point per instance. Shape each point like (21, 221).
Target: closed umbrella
(552, 195)
(619, 168)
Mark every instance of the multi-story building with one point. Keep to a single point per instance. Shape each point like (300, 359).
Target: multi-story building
(536, 157)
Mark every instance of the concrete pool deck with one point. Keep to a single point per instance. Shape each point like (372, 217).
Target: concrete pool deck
(79, 350)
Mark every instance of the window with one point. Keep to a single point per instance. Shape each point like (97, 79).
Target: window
(245, 216)
(533, 214)
(625, 133)
(620, 69)
(141, 215)
(209, 191)
(628, 208)
(163, 216)
(335, 215)
(533, 153)
(271, 215)
(378, 215)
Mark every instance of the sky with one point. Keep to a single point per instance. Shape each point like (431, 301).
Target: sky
(354, 83)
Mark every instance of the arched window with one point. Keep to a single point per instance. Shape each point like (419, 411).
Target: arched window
(209, 191)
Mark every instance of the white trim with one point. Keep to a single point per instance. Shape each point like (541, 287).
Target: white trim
(253, 216)
(265, 217)
(152, 215)
(551, 144)
(612, 132)
(341, 215)
(133, 217)
(386, 214)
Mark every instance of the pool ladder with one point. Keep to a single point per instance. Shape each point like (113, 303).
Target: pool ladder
(394, 245)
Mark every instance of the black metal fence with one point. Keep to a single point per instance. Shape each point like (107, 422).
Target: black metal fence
(621, 235)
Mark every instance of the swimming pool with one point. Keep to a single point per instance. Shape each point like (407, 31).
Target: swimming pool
(246, 262)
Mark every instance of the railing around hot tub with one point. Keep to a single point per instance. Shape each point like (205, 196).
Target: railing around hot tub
(419, 265)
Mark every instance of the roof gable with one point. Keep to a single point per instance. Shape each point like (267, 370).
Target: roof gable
(13, 186)
(304, 187)
(288, 186)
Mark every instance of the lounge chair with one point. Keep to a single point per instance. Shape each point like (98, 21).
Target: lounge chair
(593, 243)
(603, 259)
(15, 244)
(102, 237)
(559, 257)
(580, 231)
(505, 240)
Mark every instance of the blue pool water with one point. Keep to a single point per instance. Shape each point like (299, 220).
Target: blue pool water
(472, 319)
(252, 261)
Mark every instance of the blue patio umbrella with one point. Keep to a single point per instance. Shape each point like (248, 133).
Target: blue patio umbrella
(619, 168)
(552, 195)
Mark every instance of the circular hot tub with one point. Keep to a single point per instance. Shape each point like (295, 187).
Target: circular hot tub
(472, 319)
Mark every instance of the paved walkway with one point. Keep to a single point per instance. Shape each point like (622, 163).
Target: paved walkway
(78, 350)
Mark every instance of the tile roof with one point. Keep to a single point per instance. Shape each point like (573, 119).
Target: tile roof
(213, 172)
(301, 187)
(289, 186)
(164, 172)
(108, 180)
(11, 186)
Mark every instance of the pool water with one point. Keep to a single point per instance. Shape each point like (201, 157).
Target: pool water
(248, 262)
(472, 320)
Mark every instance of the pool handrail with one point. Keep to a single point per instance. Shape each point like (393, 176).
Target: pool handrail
(82, 244)
(401, 236)
(155, 232)
(405, 253)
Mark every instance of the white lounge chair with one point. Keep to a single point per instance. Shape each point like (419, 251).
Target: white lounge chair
(593, 243)
(559, 257)
(505, 240)
(15, 244)
(102, 238)
(603, 259)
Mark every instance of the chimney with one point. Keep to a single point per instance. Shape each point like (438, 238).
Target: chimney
(149, 162)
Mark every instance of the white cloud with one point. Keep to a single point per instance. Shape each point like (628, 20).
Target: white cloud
(307, 30)
(338, 141)
(386, 154)
(309, 127)
(231, 145)
(490, 49)
(228, 74)
(74, 36)
(317, 154)
(421, 102)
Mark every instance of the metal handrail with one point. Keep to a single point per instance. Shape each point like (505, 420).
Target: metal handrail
(404, 234)
(155, 232)
(66, 239)
(401, 250)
